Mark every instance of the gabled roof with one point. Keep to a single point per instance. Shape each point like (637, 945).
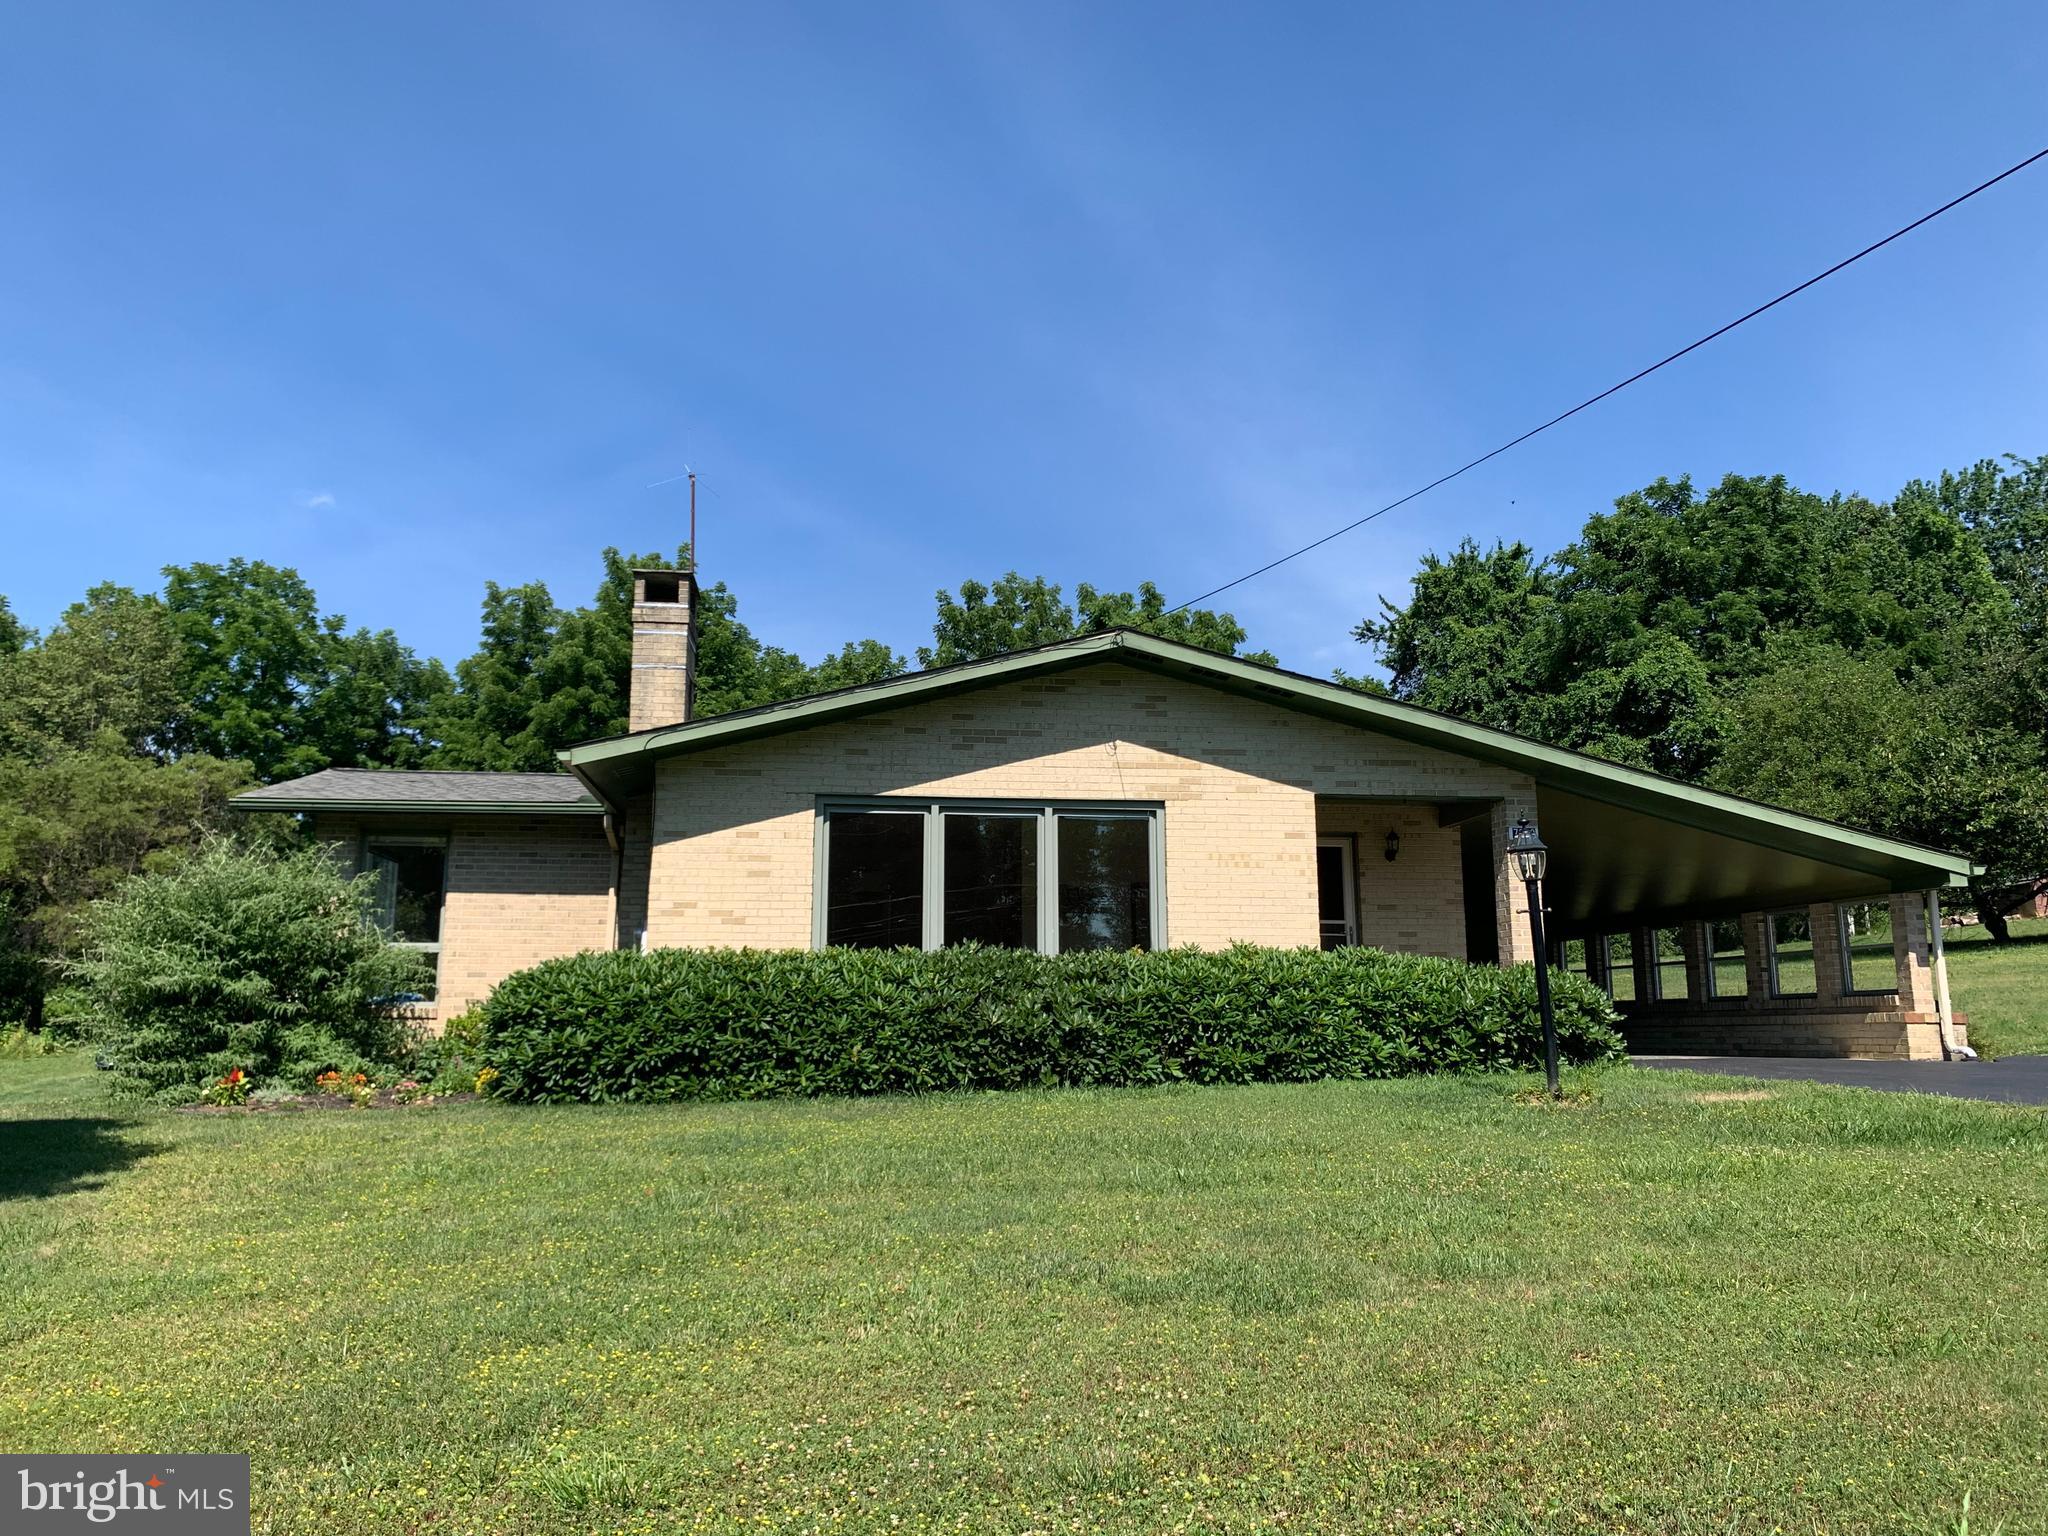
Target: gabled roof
(623, 765)
(404, 789)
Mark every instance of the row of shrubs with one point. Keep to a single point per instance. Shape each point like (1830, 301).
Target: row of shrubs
(243, 972)
(752, 1024)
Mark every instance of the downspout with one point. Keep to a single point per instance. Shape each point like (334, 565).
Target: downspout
(1944, 1013)
(612, 841)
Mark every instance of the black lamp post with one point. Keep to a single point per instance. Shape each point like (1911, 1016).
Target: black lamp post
(1531, 859)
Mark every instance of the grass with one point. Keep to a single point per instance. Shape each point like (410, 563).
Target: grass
(1684, 1305)
(2002, 987)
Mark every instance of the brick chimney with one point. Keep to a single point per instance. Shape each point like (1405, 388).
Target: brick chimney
(664, 684)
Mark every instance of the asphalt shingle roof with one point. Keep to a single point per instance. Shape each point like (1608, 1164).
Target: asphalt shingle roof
(397, 789)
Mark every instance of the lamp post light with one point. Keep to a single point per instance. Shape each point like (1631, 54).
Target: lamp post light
(1531, 859)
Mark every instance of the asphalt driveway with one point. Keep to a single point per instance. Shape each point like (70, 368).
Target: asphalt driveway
(2009, 1080)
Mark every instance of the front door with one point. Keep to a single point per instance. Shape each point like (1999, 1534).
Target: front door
(1337, 891)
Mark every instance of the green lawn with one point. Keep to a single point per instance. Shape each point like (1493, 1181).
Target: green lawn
(2002, 987)
(1408, 1307)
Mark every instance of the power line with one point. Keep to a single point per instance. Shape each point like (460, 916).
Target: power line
(1614, 389)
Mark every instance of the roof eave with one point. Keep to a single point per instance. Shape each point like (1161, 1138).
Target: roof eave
(417, 807)
(624, 764)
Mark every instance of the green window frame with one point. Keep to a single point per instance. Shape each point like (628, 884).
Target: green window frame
(1054, 912)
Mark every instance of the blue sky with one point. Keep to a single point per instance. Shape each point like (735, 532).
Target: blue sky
(413, 296)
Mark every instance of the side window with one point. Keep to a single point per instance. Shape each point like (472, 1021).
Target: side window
(411, 875)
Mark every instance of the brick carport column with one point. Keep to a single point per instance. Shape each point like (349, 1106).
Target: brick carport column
(1510, 896)
(1824, 922)
(1756, 955)
(1912, 952)
(1695, 939)
(1642, 954)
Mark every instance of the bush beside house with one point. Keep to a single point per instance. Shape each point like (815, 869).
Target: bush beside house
(749, 1024)
(241, 960)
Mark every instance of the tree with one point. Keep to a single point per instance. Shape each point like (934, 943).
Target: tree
(1015, 613)
(546, 678)
(1472, 640)
(109, 666)
(1733, 636)
(489, 720)
(86, 796)
(1835, 735)
(13, 633)
(855, 663)
(266, 679)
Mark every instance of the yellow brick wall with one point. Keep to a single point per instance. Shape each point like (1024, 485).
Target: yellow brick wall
(520, 890)
(733, 827)
(1416, 903)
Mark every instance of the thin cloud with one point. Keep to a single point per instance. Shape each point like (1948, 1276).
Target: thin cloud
(317, 501)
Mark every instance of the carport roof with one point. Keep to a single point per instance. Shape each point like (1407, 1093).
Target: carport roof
(1624, 842)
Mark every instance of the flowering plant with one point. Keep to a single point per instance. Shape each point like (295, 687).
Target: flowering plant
(485, 1078)
(232, 1089)
(409, 1091)
(357, 1088)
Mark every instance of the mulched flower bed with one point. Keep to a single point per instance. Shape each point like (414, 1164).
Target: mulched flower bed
(383, 1100)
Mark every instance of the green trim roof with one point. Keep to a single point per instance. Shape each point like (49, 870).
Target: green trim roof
(621, 766)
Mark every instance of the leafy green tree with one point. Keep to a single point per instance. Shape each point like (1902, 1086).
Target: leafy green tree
(75, 824)
(853, 664)
(1146, 611)
(488, 721)
(266, 679)
(1842, 736)
(13, 633)
(545, 677)
(86, 796)
(109, 666)
(1015, 613)
(1737, 635)
(1473, 638)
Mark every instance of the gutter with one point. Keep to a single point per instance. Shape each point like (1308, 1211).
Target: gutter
(617, 844)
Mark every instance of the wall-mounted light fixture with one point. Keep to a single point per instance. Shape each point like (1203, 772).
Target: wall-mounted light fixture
(1393, 844)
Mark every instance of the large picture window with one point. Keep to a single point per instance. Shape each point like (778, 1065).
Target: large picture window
(1054, 878)
(411, 875)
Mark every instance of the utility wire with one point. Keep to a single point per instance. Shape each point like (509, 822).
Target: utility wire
(1615, 389)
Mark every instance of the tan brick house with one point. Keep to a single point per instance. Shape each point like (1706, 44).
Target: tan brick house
(1118, 790)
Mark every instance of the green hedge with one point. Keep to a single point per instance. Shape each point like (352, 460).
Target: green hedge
(751, 1024)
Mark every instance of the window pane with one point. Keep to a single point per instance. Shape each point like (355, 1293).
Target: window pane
(992, 880)
(1792, 948)
(1105, 872)
(1621, 968)
(1867, 936)
(1671, 979)
(1730, 969)
(874, 879)
(411, 883)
